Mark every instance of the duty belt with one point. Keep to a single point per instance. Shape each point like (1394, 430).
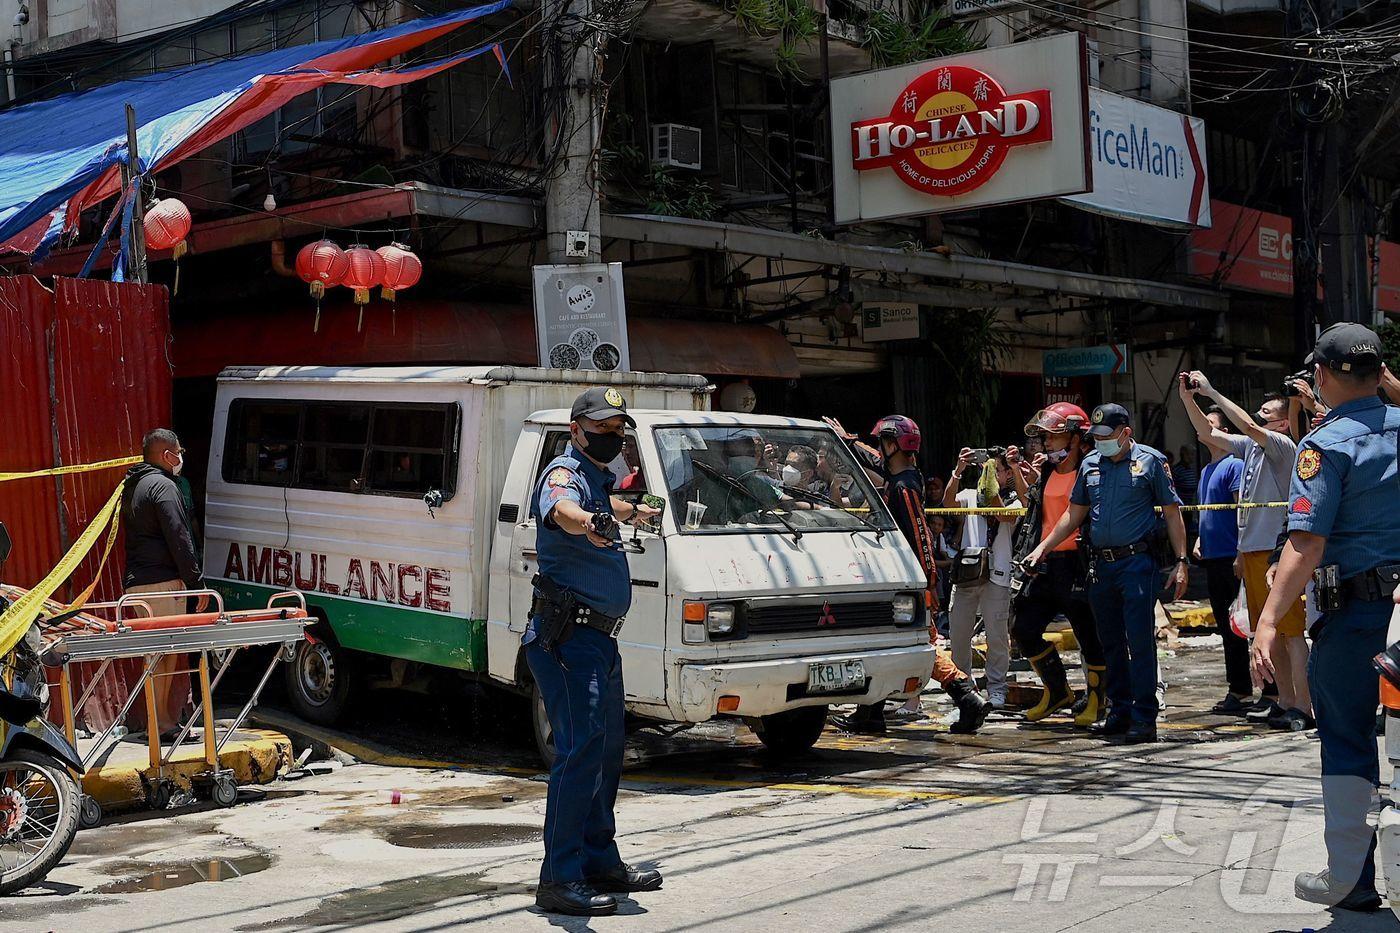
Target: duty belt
(548, 593)
(1123, 552)
(1373, 585)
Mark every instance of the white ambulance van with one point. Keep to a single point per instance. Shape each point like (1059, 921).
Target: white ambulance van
(397, 499)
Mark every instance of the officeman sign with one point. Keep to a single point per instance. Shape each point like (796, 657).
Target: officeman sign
(988, 127)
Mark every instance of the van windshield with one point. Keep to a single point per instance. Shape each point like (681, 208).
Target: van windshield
(726, 478)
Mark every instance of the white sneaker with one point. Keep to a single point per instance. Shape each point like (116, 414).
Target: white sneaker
(997, 697)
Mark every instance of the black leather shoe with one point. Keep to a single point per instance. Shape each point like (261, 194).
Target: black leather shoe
(622, 878)
(1317, 888)
(1113, 725)
(1140, 733)
(575, 898)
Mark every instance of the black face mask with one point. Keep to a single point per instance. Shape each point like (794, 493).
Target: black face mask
(603, 447)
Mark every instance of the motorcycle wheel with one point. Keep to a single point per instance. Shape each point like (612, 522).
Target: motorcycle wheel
(39, 812)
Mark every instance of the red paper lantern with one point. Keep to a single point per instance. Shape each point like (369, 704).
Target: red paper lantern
(167, 222)
(365, 272)
(321, 265)
(402, 269)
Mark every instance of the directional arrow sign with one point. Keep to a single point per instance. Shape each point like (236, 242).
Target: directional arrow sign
(1087, 361)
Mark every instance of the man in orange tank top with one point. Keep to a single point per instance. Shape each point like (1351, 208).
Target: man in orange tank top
(1058, 585)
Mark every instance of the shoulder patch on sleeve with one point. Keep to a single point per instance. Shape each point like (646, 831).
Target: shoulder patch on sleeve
(1301, 506)
(559, 476)
(1309, 462)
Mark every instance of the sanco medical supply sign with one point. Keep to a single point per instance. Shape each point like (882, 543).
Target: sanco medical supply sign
(988, 127)
(1149, 163)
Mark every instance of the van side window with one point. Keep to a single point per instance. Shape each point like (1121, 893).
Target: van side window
(262, 441)
(408, 450)
(353, 447)
(333, 441)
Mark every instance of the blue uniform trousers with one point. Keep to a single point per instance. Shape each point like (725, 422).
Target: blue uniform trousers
(1123, 595)
(1345, 693)
(583, 696)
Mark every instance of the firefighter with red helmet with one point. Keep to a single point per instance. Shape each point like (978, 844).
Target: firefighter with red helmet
(894, 463)
(1059, 584)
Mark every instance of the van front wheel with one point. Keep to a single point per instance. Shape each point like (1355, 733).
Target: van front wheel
(791, 732)
(320, 681)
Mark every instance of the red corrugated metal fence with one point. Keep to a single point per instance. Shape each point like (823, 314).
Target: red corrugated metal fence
(86, 375)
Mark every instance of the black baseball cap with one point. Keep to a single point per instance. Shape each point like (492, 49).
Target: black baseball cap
(1346, 345)
(601, 403)
(1108, 418)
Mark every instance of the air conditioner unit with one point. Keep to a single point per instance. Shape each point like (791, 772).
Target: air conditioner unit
(675, 145)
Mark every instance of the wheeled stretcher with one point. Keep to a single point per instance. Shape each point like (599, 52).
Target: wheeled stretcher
(105, 632)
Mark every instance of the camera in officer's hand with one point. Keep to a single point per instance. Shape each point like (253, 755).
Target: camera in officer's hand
(603, 524)
(1290, 390)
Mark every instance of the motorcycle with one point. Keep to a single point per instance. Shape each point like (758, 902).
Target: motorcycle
(39, 795)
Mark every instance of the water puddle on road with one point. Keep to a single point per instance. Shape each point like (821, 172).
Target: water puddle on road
(459, 836)
(183, 874)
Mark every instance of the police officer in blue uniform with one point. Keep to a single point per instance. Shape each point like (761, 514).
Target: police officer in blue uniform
(1344, 533)
(582, 592)
(1118, 488)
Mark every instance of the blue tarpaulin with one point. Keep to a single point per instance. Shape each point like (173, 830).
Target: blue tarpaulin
(61, 156)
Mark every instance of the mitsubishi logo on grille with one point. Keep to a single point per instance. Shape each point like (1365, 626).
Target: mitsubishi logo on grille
(827, 617)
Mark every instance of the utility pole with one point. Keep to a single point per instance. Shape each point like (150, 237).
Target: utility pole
(1303, 126)
(136, 235)
(571, 204)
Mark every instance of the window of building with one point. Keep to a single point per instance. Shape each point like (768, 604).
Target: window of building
(351, 447)
(470, 105)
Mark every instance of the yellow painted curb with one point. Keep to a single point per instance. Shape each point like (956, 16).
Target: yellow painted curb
(254, 758)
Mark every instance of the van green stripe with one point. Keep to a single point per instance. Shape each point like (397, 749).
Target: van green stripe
(379, 628)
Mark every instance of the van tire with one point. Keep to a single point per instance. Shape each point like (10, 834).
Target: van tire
(321, 680)
(792, 732)
(539, 721)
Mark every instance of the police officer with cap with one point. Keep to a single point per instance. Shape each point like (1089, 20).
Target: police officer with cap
(1343, 532)
(582, 592)
(1118, 488)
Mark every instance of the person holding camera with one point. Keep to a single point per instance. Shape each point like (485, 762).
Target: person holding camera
(1344, 533)
(1268, 453)
(1118, 489)
(582, 591)
(1059, 585)
(982, 569)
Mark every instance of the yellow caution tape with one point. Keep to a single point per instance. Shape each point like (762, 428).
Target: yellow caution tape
(1012, 511)
(76, 468)
(23, 611)
(1015, 510)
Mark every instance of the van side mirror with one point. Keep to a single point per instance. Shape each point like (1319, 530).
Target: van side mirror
(5, 543)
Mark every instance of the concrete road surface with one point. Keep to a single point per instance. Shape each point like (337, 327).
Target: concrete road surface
(1032, 828)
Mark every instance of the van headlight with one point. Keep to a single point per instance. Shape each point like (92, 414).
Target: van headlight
(906, 608)
(719, 620)
(715, 620)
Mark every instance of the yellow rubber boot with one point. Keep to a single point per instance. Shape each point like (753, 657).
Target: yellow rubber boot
(1095, 708)
(1057, 694)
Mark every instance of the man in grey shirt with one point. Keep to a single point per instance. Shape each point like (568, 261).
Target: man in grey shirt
(1269, 454)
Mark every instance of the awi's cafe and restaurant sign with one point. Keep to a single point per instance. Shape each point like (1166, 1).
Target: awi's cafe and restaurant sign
(989, 127)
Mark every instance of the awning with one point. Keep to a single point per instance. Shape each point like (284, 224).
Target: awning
(61, 156)
(429, 331)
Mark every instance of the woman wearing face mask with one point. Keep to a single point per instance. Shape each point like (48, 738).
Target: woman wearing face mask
(1060, 586)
